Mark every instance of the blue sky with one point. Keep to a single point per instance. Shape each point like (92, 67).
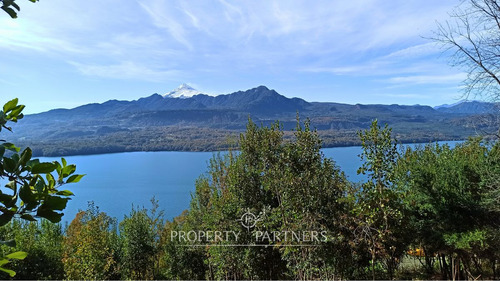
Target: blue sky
(61, 54)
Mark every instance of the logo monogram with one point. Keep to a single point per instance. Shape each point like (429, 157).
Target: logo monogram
(249, 220)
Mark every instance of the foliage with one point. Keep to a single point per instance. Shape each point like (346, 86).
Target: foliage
(293, 188)
(42, 241)
(140, 249)
(434, 200)
(378, 218)
(32, 190)
(11, 7)
(446, 199)
(89, 246)
(181, 262)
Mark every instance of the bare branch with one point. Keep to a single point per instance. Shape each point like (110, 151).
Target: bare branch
(473, 38)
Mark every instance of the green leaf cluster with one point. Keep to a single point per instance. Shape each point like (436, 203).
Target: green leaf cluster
(42, 242)
(32, 188)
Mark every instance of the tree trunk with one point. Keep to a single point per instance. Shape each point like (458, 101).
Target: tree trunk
(429, 262)
(441, 268)
(373, 265)
(446, 270)
(452, 268)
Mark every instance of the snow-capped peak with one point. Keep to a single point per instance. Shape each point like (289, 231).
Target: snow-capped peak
(184, 91)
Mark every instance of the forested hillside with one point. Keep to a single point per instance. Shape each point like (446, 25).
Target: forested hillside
(207, 123)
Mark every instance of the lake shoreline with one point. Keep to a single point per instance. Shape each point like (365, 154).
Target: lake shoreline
(36, 152)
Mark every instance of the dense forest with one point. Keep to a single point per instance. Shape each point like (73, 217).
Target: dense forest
(430, 212)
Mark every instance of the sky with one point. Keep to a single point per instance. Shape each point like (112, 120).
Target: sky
(62, 54)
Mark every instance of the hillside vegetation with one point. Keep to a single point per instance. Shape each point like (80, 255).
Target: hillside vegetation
(429, 212)
(206, 123)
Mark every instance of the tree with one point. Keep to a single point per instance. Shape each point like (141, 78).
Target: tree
(32, 190)
(11, 7)
(379, 222)
(473, 35)
(449, 205)
(140, 243)
(89, 248)
(291, 186)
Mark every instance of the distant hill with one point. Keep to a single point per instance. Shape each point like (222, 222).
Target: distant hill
(471, 107)
(186, 119)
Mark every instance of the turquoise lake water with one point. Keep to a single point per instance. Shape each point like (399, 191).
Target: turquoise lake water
(116, 181)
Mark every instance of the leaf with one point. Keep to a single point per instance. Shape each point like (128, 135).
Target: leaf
(68, 170)
(43, 168)
(32, 162)
(55, 203)
(11, 147)
(40, 184)
(8, 271)
(74, 178)
(11, 104)
(15, 113)
(65, 193)
(26, 194)
(15, 5)
(5, 218)
(9, 165)
(50, 180)
(5, 198)
(49, 214)
(25, 156)
(12, 185)
(17, 255)
(28, 217)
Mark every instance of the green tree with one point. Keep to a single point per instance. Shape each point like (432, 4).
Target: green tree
(379, 220)
(180, 261)
(32, 191)
(291, 185)
(449, 205)
(90, 246)
(140, 239)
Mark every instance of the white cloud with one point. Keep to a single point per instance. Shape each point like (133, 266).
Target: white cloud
(428, 79)
(128, 70)
(19, 36)
(164, 21)
(415, 51)
(158, 40)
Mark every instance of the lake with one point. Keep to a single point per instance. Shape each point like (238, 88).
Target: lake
(117, 181)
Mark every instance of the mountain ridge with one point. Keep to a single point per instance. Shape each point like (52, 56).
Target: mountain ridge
(203, 122)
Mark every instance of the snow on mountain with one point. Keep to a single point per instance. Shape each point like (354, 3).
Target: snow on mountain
(184, 91)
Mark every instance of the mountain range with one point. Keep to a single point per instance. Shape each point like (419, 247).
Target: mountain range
(186, 119)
